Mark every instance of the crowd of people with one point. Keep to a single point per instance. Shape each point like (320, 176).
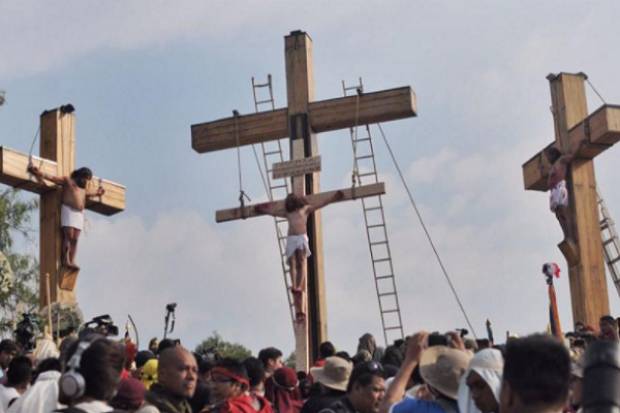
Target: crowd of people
(424, 373)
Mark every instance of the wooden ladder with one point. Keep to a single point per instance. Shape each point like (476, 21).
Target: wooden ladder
(376, 229)
(276, 188)
(611, 244)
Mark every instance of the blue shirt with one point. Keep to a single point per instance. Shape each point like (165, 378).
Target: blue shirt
(411, 405)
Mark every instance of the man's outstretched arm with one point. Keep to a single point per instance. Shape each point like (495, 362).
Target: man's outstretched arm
(339, 195)
(268, 208)
(40, 175)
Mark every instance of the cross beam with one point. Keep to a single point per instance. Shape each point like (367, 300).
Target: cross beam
(601, 130)
(324, 116)
(57, 158)
(249, 211)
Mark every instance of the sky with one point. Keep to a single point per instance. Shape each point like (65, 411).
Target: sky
(140, 73)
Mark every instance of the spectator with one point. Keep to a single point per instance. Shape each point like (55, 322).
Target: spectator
(42, 396)
(176, 382)
(99, 362)
(8, 350)
(365, 390)
(367, 342)
(271, 358)
(230, 390)
(148, 375)
(18, 377)
(481, 384)
(331, 381)
(130, 395)
(286, 396)
(536, 376)
(326, 349)
(608, 328)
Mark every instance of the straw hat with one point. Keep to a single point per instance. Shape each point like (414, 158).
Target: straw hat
(334, 373)
(442, 367)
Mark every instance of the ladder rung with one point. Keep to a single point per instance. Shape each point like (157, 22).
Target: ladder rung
(278, 186)
(379, 243)
(383, 277)
(257, 85)
(372, 208)
(375, 226)
(386, 294)
(272, 152)
(390, 311)
(364, 157)
(367, 174)
(393, 328)
(361, 140)
(260, 102)
(615, 260)
(608, 241)
(382, 260)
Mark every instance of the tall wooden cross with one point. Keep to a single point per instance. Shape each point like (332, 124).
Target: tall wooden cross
(57, 157)
(300, 121)
(601, 130)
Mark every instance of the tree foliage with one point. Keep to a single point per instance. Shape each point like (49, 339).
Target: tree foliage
(215, 344)
(18, 272)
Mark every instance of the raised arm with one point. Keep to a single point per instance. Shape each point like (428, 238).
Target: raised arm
(40, 175)
(396, 391)
(338, 195)
(268, 208)
(570, 154)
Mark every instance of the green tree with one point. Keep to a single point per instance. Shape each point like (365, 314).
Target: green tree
(216, 344)
(18, 272)
(291, 361)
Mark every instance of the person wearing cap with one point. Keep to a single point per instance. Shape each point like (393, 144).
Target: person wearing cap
(141, 358)
(229, 388)
(482, 382)
(536, 376)
(331, 380)
(441, 367)
(176, 382)
(129, 396)
(285, 396)
(365, 390)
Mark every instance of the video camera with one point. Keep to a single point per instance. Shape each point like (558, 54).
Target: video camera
(26, 330)
(102, 324)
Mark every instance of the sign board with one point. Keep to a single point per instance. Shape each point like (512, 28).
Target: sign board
(296, 167)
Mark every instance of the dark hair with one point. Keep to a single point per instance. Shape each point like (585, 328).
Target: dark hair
(344, 355)
(553, 154)
(143, 356)
(8, 346)
(363, 373)
(234, 366)
(48, 364)
(81, 176)
(19, 372)
(326, 349)
(393, 356)
(255, 370)
(101, 365)
(269, 353)
(167, 343)
(293, 202)
(537, 368)
(608, 319)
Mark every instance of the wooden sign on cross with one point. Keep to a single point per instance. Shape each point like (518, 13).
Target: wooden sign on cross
(598, 131)
(57, 158)
(300, 121)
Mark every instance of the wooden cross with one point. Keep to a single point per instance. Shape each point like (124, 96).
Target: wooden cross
(300, 121)
(57, 150)
(601, 130)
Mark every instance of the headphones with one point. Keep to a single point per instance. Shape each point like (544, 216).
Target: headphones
(72, 384)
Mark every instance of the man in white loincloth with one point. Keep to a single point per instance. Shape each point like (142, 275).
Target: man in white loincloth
(74, 197)
(296, 211)
(558, 190)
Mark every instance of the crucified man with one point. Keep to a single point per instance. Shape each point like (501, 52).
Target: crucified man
(74, 195)
(297, 209)
(558, 190)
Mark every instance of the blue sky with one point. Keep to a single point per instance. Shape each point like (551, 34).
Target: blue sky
(141, 72)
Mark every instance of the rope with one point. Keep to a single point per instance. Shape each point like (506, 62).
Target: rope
(242, 195)
(428, 236)
(595, 91)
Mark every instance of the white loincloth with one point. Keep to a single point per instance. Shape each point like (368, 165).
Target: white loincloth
(297, 242)
(558, 196)
(71, 217)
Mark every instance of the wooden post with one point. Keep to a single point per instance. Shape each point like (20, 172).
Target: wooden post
(588, 286)
(49, 304)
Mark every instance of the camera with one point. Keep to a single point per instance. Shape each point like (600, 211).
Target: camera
(26, 331)
(601, 378)
(171, 307)
(102, 324)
